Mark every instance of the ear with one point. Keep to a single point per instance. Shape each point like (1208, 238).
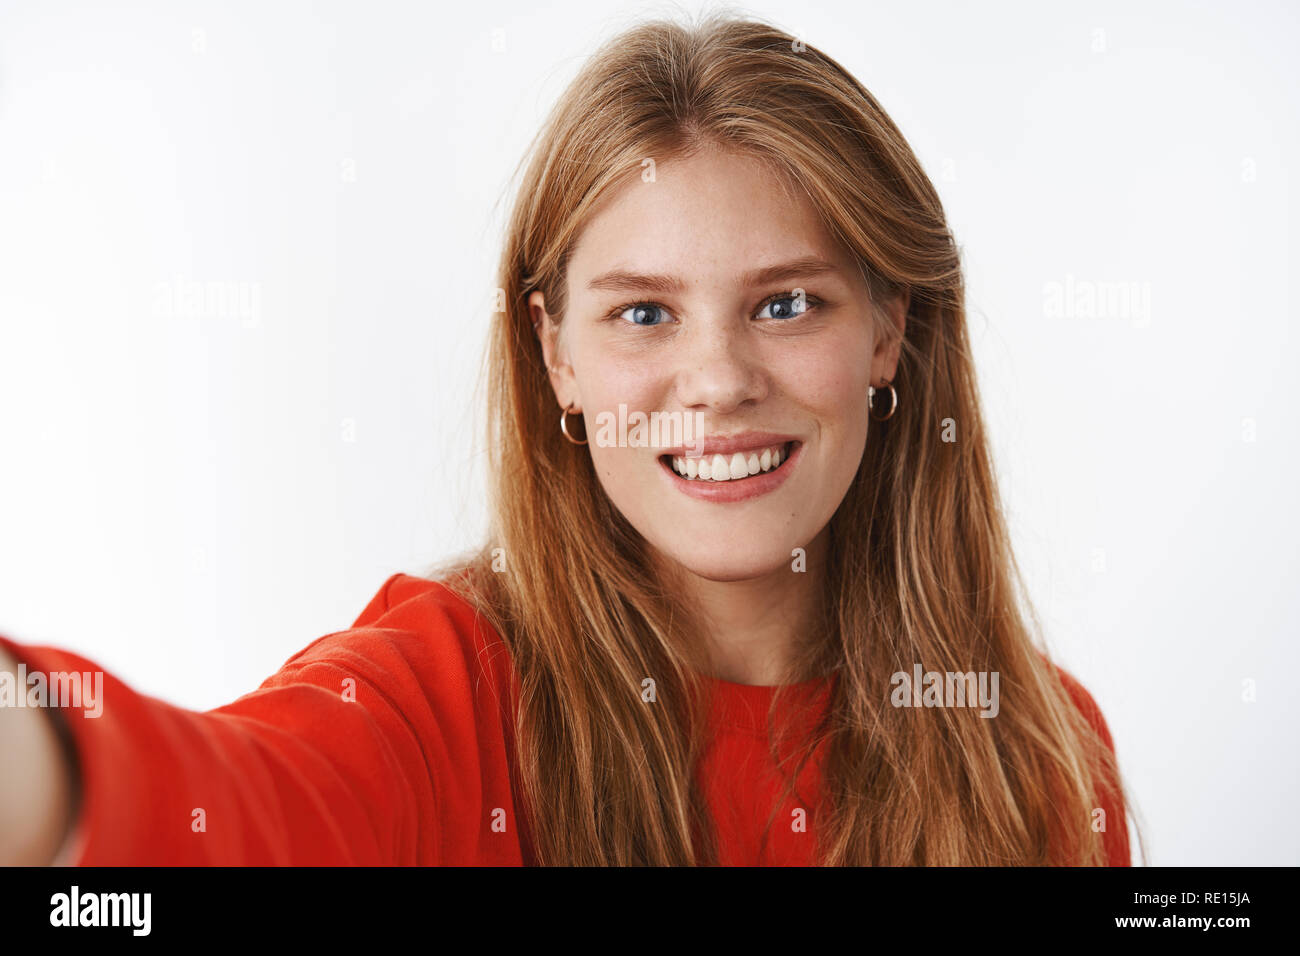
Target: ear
(558, 369)
(884, 364)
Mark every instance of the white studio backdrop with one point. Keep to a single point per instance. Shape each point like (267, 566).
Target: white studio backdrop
(247, 254)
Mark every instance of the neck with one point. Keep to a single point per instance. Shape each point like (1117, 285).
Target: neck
(755, 628)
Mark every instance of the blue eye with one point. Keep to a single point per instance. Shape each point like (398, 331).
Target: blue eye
(642, 313)
(781, 308)
(798, 305)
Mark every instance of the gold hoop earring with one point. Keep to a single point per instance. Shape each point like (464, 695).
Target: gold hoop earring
(564, 426)
(871, 402)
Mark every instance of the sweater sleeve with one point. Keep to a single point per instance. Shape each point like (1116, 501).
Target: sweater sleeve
(337, 758)
(1115, 836)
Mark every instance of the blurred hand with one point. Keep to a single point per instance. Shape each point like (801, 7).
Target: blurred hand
(36, 782)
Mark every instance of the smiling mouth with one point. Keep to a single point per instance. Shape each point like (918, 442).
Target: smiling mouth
(735, 467)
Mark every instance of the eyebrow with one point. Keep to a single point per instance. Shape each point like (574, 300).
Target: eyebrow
(620, 280)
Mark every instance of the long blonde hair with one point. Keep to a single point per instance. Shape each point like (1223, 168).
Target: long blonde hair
(920, 567)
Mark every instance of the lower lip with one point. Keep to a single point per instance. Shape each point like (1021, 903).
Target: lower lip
(742, 489)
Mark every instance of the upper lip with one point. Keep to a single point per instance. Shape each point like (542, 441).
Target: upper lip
(728, 444)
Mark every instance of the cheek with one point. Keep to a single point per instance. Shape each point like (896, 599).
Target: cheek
(608, 377)
(829, 384)
(608, 383)
(829, 381)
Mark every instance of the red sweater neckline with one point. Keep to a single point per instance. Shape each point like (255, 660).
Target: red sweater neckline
(745, 706)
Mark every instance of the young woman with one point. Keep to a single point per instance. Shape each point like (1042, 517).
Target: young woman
(791, 632)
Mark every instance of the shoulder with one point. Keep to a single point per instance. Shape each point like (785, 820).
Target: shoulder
(416, 631)
(1110, 793)
(1086, 705)
(400, 589)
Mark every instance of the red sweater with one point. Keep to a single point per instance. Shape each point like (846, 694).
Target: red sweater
(416, 768)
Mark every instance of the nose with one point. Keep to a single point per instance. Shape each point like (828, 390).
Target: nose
(719, 368)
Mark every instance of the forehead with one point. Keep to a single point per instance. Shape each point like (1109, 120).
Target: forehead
(704, 217)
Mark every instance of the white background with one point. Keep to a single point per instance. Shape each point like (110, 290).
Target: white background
(191, 492)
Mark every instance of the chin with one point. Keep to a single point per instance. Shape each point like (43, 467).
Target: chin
(744, 564)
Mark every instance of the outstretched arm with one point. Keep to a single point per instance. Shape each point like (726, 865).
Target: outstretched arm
(319, 765)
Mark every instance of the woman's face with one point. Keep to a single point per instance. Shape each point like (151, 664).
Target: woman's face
(711, 297)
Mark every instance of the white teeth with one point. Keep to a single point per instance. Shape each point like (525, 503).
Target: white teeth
(720, 468)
